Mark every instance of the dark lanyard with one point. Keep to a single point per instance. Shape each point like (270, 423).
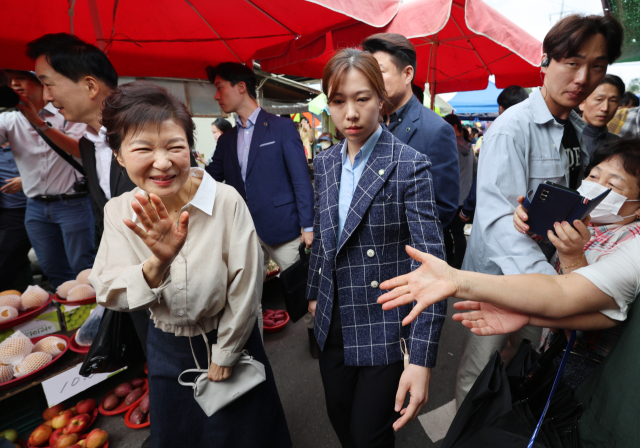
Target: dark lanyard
(572, 339)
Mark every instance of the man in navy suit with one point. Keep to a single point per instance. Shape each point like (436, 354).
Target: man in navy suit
(263, 158)
(415, 125)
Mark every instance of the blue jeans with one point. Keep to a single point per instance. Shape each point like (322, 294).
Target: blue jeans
(62, 235)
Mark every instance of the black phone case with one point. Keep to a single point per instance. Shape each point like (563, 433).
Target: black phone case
(553, 203)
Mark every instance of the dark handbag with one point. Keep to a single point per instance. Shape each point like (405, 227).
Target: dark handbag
(294, 285)
(116, 345)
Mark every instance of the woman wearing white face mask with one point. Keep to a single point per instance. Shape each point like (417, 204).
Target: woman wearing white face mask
(566, 301)
(616, 166)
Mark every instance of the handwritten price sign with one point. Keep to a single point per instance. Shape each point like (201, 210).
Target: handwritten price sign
(70, 383)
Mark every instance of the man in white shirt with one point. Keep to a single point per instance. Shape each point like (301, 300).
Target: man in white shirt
(58, 218)
(77, 78)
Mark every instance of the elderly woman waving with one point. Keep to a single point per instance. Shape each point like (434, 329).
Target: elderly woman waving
(185, 247)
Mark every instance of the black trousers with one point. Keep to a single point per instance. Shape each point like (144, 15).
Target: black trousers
(454, 241)
(360, 400)
(15, 269)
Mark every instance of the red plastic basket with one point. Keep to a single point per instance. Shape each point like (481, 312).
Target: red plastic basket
(24, 316)
(122, 407)
(27, 377)
(276, 328)
(74, 347)
(86, 301)
(127, 417)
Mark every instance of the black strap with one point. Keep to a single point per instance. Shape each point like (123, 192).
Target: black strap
(66, 156)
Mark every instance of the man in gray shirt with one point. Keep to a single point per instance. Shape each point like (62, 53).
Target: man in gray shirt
(537, 140)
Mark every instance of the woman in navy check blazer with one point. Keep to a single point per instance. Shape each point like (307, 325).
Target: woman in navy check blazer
(373, 196)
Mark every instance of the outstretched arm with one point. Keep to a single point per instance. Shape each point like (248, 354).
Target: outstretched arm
(484, 319)
(537, 294)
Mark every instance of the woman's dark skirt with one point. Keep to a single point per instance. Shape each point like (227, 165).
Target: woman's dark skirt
(254, 420)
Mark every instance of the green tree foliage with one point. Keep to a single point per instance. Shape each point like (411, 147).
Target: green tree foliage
(628, 13)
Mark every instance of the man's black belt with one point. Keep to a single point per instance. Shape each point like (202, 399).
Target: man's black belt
(58, 197)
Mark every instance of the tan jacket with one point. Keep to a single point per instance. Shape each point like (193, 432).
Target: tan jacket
(217, 274)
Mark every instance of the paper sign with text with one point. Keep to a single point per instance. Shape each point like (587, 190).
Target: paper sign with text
(70, 383)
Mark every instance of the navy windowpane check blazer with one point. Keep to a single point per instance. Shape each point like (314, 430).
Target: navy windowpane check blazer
(393, 206)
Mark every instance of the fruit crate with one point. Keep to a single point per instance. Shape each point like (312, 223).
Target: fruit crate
(74, 316)
(23, 411)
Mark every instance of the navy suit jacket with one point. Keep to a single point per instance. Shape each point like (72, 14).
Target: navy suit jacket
(392, 206)
(277, 188)
(426, 132)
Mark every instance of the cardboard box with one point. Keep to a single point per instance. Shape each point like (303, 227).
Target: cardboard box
(74, 316)
(45, 323)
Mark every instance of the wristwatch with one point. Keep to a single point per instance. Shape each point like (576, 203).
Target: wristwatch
(45, 127)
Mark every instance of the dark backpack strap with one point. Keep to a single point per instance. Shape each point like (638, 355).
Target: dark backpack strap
(66, 156)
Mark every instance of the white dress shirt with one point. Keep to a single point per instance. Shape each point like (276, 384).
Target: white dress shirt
(42, 170)
(104, 156)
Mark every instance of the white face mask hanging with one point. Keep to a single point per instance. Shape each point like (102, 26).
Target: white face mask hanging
(607, 211)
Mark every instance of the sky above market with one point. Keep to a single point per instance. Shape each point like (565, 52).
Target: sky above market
(538, 16)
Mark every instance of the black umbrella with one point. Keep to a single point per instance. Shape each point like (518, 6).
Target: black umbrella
(504, 406)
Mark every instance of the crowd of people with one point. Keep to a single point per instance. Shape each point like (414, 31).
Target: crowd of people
(104, 177)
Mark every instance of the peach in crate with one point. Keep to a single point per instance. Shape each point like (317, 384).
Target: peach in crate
(34, 297)
(52, 345)
(15, 348)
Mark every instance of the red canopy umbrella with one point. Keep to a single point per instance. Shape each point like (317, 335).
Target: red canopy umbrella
(459, 43)
(167, 38)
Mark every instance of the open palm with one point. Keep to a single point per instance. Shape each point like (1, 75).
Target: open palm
(487, 320)
(432, 282)
(161, 234)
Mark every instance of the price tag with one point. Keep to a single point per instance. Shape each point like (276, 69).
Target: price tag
(70, 383)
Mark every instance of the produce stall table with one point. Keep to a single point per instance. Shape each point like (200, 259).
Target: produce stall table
(69, 360)
(21, 406)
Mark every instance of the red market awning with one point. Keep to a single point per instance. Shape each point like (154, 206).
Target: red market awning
(459, 43)
(167, 38)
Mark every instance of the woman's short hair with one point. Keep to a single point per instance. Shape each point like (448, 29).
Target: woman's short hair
(627, 150)
(222, 124)
(135, 105)
(566, 38)
(351, 59)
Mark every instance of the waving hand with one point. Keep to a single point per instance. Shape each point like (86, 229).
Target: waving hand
(162, 236)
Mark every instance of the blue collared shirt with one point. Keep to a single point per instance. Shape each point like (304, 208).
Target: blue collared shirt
(351, 176)
(521, 149)
(245, 134)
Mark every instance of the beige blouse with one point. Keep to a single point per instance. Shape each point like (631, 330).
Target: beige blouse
(217, 276)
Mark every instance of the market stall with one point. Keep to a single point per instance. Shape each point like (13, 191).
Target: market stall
(44, 339)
